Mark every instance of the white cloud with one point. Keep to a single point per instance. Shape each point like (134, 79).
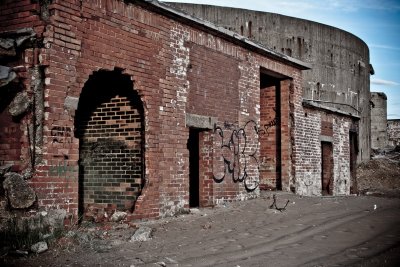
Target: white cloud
(384, 82)
(388, 47)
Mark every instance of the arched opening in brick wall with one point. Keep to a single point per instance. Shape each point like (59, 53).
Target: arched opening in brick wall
(109, 123)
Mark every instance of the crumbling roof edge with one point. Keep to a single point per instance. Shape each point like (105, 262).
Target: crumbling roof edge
(312, 104)
(169, 10)
(380, 94)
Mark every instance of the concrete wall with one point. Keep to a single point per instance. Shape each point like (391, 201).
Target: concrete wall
(379, 131)
(340, 61)
(393, 129)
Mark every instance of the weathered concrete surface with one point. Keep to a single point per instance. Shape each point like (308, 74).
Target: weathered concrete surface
(334, 231)
(18, 192)
(379, 132)
(71, 103)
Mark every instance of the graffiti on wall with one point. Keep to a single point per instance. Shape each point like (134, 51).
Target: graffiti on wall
(61, 134)
(264, 129)
(236, 150)
(62, 169)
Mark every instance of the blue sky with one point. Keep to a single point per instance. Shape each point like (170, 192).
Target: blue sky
(376, 22)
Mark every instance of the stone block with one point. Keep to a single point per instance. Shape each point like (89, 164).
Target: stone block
(18, 192)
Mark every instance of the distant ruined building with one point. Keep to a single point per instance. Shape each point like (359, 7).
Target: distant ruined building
(136, 106)
(379, 123)
(393, 130)
(385, 133)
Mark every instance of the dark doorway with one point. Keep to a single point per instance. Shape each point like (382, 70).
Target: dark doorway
(327, 168)
(194, 158)
(353, 160)
(270, 131)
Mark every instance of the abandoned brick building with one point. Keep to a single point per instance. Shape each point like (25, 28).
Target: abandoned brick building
(133, 105)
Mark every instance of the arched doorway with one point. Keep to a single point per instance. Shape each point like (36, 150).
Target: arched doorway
(109, 124)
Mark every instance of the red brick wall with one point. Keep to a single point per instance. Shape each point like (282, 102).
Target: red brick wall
(286, 87)
(326, 125)
(111, 155)
(13, 140)
(10, 141)
(205, 170)
(269, 173)
(161, 57)
(20, 14)
(213, 89)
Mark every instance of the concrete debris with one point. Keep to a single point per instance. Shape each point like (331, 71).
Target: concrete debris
(55, 218)
(11, 39)
(206, 225)
(142, 234)
(194, 211)
(118, 216)
(6, 75)
(18, 192)
(20, 104)
(6, 43)
(4, 72)
(71, 103)
(39, 247)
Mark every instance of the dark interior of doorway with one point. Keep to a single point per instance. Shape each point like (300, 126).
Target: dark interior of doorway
(194, 168)
(272, 81)
(353, 161)
(327, 168)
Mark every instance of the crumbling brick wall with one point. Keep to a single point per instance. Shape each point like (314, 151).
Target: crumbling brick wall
(174, 68)
(19, 18)
(319, 126)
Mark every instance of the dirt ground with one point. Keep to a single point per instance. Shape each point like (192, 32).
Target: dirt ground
(312, 231)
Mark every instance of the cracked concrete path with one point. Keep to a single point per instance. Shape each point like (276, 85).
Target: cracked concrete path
(312, 231)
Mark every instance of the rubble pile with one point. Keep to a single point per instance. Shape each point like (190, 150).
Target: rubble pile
(381, 175)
